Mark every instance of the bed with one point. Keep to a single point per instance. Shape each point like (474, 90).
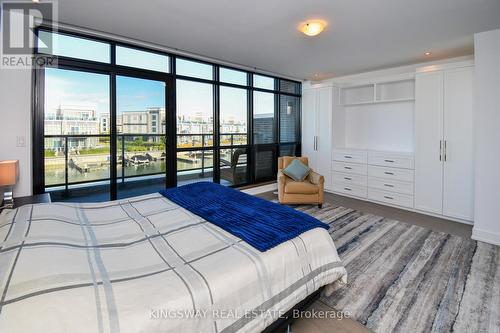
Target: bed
(146, 264)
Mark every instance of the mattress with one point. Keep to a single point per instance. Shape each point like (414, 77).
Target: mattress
(145, 264)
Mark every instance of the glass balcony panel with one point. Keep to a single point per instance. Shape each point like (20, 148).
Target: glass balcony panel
(88, 159)
(194, 166)
(55, 167)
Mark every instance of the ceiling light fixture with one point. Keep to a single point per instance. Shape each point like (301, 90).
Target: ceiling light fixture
(312, 28)
(428, 53)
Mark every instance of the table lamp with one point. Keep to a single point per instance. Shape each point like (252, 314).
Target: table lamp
(8, 178)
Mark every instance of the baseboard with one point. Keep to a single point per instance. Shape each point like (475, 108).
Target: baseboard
(261, 189)
(413, 210)
(485, 236)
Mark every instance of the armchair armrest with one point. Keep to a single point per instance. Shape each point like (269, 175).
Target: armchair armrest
(281, 177)
(316, 179)
(281, 185)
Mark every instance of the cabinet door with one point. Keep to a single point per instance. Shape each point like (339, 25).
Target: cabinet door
(323, 134)
(428, 138)
(458, 195)
(308, 120)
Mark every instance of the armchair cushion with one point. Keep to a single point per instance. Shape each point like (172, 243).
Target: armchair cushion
(303, 187)
(297, 171)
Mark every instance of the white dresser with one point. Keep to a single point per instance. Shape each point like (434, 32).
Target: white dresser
(386, 177)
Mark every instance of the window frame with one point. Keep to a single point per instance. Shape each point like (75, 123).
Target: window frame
(170, 79)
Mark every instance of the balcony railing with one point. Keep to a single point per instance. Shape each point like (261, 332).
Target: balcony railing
(80, 159)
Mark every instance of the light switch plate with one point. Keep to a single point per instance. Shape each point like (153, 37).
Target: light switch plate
(21, 141)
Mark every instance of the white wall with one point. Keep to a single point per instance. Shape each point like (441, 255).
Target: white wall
(388, 126)
(15, 121)
(487, 146)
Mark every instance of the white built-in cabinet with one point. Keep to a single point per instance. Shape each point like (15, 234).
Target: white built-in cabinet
(444, 155)
(403, 140)
(317, 108)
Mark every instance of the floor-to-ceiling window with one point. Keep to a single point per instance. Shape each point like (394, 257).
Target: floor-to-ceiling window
(76, 141)
(140, 135)
(117, 121)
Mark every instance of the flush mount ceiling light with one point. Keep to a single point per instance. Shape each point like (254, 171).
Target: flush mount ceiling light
(428, 53)
(312, 28)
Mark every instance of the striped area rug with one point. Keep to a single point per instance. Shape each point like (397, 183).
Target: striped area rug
(405, 278)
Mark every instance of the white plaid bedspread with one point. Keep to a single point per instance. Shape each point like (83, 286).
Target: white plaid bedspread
(147, 265)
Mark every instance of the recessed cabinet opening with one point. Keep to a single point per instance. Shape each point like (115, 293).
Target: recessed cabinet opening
(379, 92)
(357, 95)
(392, 91)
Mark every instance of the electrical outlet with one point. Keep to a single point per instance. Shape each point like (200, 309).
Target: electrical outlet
(21, 141)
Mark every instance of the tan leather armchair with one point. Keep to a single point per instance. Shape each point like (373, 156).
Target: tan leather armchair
(309, 191)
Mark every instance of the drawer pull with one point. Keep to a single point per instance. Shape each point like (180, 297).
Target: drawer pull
(347, 156)
(348, 168)
(389, 161)
(390, 198)
(347, 178)
(388, 185)
(389, 173)
(347, 188)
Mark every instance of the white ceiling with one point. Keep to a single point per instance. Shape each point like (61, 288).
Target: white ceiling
(362, 34)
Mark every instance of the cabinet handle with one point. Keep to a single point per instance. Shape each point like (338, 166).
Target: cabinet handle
(348, 168)
(388, 185)
(445, 150)
(347, 178)
(389, 173)
(390, 198)
(347, 188)
(440, 150)
(389, 161)
(347, 156)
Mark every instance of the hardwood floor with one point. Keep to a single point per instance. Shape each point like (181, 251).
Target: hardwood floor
(346, 325)
(426, 221)
(327, 325)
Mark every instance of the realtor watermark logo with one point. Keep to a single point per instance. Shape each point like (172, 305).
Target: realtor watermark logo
(19, 21)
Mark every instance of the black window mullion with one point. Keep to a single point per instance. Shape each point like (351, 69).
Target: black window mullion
(171, 131)
(216, 125)
(38, 131)
(113, 137)
(250, 149)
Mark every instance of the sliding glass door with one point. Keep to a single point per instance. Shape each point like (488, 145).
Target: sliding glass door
(141, 136)
(76, 140)
(80, 127)
(195, 131)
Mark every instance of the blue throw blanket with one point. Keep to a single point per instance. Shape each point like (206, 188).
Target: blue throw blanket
(259, 222)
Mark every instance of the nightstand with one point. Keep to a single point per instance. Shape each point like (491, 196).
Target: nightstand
(33, 199)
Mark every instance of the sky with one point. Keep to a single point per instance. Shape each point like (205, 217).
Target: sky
(67, 87)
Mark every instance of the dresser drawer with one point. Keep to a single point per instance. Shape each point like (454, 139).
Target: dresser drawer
(393, 160)
(391, 173)
(341, 177)
(351, 156)
(360, 169)
(355, 190)
(391, 198)
(391, 185)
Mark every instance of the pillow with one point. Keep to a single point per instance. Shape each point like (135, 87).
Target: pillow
(297, 170)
